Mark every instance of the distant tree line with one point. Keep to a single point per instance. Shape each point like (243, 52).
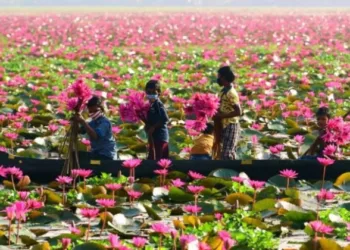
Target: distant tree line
(266, 3)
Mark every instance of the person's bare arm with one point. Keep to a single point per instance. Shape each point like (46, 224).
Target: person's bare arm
(313, 147)
(90, 131)
(236, 112)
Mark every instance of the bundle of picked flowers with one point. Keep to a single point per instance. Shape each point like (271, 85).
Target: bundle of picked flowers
(75, 98)
(201, 106)
(136, 107)
(337, 134)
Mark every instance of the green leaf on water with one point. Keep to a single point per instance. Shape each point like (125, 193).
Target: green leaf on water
(223, 173)
(281, 182)
(265, 204)
(89, 246)
(179, 195)
(151, 213)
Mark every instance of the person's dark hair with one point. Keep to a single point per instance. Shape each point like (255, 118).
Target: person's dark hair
(153, 84)
(324, 111)
(210, 129)
(95, 101)
(227, 73)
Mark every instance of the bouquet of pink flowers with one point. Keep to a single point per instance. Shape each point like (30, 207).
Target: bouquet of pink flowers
(135, 108)
(203, 106)
(337, 132)
(76, 96)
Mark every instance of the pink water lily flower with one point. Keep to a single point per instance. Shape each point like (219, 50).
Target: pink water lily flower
(72, 103)
(178, 183)
(86, 142)
(90, 213)
(319, 227)
(139, 242)
(114, 241)
(116, 130)
(23, 195)
(160, 228)
(131, 165)
(3, 171)
(84, 173)
(164, 163)
(195, 176)
(218, 216)
(325, 195)
(63, 180)
(21, 210)
(34, 204)
(237, 179)
(299, 139)
(66, 243)
(14, 172)
(53, 128)
(330, 150)
(11, 136)
(134, 194)
(74, 230)
(193, 209)
(114, 186)
(107, 203)
(195, 189)
(256, 184)
(204, 246)
(161, 171)
(10, 212)
(325, 161)
(288, 173)
(187, 239)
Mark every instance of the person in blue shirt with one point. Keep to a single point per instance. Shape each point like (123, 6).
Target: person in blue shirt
(99, 130)
(156, 123)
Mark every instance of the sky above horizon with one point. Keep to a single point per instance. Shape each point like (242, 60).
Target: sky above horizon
(233, 3)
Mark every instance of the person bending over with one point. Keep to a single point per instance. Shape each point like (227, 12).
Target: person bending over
(203, 145)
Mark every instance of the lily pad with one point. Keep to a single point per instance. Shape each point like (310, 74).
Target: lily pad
(42, 246)
(151, 213)
(89, 246)
(281, 182)
(345, 186)
(322, 244)
(266, 193)
(299, 218)
(327, 185)
(265, 204)
(178, 195)
(242, 199)
(131, 212)
(255, 222)
(223, 173)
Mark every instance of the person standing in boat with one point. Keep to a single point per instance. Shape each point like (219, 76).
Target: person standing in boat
(99, 130)
(156, 124)
(227, 128)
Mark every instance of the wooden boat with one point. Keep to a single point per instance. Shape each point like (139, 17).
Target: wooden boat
(44, 171)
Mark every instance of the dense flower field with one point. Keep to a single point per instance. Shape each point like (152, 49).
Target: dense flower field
(287, 66)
